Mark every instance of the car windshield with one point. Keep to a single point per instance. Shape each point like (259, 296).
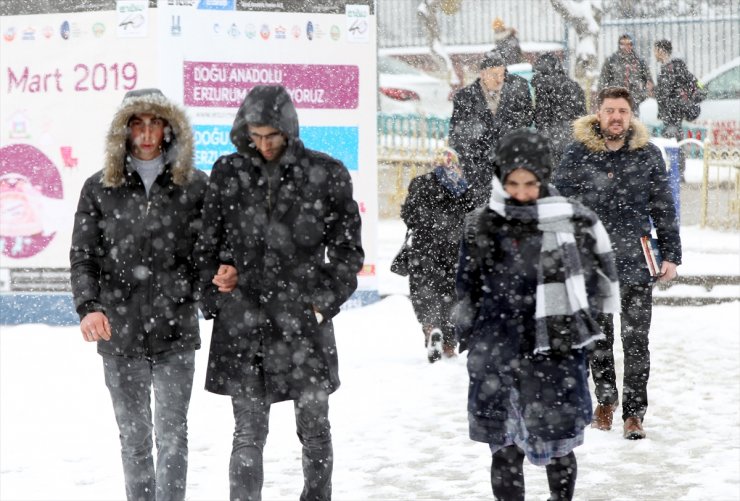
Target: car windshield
(396, 67)
(725, 85)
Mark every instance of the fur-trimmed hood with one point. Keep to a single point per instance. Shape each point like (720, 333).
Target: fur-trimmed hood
(586, 131)
(178, 151)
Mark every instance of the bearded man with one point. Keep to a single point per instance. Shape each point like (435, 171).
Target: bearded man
(613, 169)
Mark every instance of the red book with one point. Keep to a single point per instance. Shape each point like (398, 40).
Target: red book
(652, 254)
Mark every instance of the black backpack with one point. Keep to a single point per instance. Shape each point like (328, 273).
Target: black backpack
(692, 94)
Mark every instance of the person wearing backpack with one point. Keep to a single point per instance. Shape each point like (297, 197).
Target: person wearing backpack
(677, 93)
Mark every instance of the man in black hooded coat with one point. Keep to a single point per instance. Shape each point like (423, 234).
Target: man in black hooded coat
(558, 101)
(284, 217)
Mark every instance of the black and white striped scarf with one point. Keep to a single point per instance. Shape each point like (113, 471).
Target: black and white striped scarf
(563, 312)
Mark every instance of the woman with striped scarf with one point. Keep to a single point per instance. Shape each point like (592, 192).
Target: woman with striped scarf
(534, 270)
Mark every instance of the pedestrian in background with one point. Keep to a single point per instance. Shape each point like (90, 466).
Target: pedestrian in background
(612, 168)
(506, 42)
(133, 281)
(673, 93)
(535, 269)
(626, 69)
(433, 212)
(482, 113)
(558, 101)
(285, 218)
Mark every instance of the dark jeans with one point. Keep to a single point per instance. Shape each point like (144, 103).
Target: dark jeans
(433, 298)
(129, 381)
(636, 313)
(251, 416)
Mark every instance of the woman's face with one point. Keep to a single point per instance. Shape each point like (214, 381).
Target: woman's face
(522, 185)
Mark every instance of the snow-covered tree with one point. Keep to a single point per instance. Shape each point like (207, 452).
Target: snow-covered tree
(585, 18)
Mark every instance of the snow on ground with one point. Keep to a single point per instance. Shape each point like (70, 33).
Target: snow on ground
(399, 423)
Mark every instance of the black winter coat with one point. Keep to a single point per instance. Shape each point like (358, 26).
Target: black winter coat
(670, 91)
(302, 253)
(558, 101)
(626, 188)
(435, 216)
(626, 70)
(131, 256)
(475, 131)
(496, 285)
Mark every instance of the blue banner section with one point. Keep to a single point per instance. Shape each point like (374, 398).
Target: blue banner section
(339, 142)
(212, 141)
(217, 4)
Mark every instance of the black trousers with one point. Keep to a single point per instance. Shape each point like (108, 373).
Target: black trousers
(636, 313)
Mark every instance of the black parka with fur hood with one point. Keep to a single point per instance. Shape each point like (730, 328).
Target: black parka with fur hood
(131, 255)
(627, 189)
(300, 254)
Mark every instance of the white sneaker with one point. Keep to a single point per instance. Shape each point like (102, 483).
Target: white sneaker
(434, 349)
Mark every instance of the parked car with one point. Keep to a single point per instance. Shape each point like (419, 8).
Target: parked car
(722, 104)
(404, 89)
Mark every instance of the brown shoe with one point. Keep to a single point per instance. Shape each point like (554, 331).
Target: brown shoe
(448, 350)
(603, 415)
(633, 428)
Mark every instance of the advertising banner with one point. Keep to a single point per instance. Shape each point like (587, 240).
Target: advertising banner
(63, 74)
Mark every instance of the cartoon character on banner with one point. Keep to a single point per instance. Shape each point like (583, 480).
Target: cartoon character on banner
(30, 200)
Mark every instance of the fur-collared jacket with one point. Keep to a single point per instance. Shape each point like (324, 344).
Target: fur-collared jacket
(131, 254)
(627, 189)
(296, 244)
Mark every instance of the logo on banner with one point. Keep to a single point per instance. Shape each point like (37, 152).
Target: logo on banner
(216, 4)
(180, 3)
(64, 30)
(18, 125)
(309, 30)
(358, 23)
(280, 33)
(175, 28)
(48, 32)
(265, 32)
(335, 32)
(234, 30)
(296, 31)
(98, 29)
(250, 31)
(9, 34)
(29, 34)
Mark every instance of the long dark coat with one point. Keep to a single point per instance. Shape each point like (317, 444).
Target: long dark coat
(626, 70)
(496, 285)
(475, 131)
(626, 188)
(435, 217)
(302, 253)
(558, 101)
(131, 256)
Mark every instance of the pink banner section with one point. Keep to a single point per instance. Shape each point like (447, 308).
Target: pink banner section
(224, 85)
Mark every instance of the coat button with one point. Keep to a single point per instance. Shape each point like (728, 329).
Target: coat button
(610, 175)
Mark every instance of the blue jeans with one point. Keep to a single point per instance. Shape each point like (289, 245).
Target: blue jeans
(252, 416)
(129, 381)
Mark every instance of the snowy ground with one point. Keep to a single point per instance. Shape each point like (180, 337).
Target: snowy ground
(399, 423)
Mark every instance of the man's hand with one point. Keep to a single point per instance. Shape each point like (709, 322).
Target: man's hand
(95, 327)
(225, 278)
(667, 272)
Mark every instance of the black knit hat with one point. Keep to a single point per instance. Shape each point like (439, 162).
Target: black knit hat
(492, 59)
(526, 149)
